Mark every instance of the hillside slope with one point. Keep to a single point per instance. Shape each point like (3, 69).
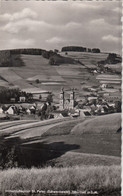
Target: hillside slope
(52, 77)
(102, 124)
(86, 58)
(79, 159)
(108, 124)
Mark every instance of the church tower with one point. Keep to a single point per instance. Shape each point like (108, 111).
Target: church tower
(72, 98)
(62, 99)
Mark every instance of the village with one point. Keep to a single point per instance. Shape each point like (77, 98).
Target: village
(41, 105)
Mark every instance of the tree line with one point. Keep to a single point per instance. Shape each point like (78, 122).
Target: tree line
(80, 49)
(112, 58)
(6, 94)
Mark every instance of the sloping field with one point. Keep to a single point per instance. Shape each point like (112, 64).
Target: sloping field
(75, 158)
(115, 67)
(41, 128)
(86, 57)
(3, 83)
(107, 124)
(108, 77)
(62, 129)
(17, 127)
(53, 78)
(71, 70)
(45, 78)
(5, 125)
(67, 75)
(37, 67)
(71, 75)
(112, 79)
(9, 75)
(34, 64)
(14, 78)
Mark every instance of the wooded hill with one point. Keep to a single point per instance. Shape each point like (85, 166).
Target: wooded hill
(9, 58)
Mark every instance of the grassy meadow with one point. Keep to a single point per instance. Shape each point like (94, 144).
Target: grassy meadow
(63, 144)
(78, 178)
(86, 58)
(71, 159)
(62, 129)
(107, 124)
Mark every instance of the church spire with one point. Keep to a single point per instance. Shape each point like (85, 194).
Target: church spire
(62, 99)
(72, 97)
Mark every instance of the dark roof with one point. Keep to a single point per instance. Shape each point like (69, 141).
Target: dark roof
(87, 113)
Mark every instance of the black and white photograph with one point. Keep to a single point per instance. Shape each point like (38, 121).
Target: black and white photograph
(60, 98)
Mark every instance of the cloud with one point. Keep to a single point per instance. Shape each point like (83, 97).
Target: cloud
(55, 40)
(27, 25)
(117, 10)
(25, 13)
(73, 25)
(85, 5)
(52, 25)
(18, 21)
(110, 38)
(99, 21)
(5, 17)
(18, 43)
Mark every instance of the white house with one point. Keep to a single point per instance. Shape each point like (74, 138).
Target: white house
(103, 86)
(58, 115)
(22, 99)
(28, 111)
(10, 110)
(1, 110)
(82, 115)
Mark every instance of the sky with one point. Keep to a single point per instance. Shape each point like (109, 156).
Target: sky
(53, 24)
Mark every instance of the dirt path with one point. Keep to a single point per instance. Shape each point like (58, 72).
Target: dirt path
(33, 129)
(5, 125)
(40, 129)
(35, 132)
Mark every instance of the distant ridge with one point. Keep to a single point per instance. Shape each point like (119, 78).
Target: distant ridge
(9, 58)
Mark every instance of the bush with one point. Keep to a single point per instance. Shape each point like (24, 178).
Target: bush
(96, 50)
(49, 98)
(9, 152)
(113, 59)
(37, 81)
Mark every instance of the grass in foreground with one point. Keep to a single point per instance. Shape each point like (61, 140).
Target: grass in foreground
(75, 178)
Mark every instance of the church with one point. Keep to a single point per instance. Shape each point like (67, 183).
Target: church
(67, 103)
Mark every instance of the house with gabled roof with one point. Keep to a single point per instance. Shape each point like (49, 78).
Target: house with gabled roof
(1, 110)
(10, 110)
